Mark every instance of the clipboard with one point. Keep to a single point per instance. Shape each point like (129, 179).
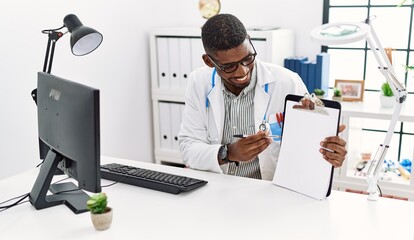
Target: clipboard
(301, 167)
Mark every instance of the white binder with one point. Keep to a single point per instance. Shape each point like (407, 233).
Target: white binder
(165, 125)
(197, 51)
(174, 60)
(163, 65)
(260, 46)
(176, 117)
(185, 61)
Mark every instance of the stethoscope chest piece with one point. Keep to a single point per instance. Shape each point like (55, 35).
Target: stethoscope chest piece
(264, 126)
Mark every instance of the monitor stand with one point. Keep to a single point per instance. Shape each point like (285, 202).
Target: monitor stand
(74, 199)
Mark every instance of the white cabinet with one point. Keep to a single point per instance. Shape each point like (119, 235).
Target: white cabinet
(355, 116)
(174, 53)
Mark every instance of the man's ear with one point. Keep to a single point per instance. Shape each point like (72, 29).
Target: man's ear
(207, 61)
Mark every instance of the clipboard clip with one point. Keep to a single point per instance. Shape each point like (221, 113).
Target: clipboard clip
(310, 102)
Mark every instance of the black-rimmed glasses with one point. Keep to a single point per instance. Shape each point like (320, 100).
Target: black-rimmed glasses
(232, 67)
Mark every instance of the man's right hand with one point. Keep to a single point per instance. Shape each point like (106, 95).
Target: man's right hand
(247, 149)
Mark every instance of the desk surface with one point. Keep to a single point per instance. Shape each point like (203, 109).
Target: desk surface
(226, 208)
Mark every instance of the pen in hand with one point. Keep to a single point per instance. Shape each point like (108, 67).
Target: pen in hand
(245, 136)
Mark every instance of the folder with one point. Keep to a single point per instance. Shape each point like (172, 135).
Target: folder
(303, 72)
(311, 76)
(185, 62)
(306, 171)
(287, 63)
(322, 71)
(297, 63)
(174, 62)
(165, 125)
(163, 65)
(176, 117)
(260, 46)
(197, 51)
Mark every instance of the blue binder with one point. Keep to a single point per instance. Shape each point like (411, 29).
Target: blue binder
(322, 71)
(311, 76)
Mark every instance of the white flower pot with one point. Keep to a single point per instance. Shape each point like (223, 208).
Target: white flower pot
(102, 221)
(387, 102)
(338, 99)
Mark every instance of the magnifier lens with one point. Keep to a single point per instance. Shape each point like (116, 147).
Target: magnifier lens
(340, 30)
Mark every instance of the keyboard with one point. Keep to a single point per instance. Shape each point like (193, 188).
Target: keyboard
(160, 181)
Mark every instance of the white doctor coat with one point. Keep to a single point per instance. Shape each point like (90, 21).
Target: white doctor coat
(202, 124)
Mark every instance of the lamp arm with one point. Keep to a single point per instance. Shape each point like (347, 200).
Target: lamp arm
(375, 166)
(385, 66)
(53, 36)
(400, 94)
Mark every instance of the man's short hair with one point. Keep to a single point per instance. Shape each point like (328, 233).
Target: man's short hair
(222, 32)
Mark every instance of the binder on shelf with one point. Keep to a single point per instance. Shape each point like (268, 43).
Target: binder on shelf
(185, 62)
(165, 125)
(288, 63)
(297, 63)
(311, 76)
(163, 65)
(176, 117)
(260, 46)
(306, 171)
(322, 71)
(197, 51)
(303, 73)
(174, 61)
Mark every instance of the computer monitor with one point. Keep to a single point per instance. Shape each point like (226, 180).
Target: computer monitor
(68, 123)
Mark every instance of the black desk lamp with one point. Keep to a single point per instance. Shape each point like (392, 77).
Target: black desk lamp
(83, 40)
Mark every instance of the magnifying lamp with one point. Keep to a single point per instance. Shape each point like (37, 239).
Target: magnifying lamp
(348, 32)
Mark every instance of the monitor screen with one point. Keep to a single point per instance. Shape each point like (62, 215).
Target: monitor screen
(68, 123)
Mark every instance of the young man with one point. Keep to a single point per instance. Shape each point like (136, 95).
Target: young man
(233, 95)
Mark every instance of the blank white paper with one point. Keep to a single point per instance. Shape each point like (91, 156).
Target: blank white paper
(301, 167)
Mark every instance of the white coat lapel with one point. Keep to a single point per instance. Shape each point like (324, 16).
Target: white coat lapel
(261, 97)
(216, 100)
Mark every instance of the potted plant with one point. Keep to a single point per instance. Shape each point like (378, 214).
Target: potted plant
(337, 94)
(319, 93)
(387, 96)
(101, 214)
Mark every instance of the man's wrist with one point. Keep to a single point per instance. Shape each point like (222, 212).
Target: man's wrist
(223, 155)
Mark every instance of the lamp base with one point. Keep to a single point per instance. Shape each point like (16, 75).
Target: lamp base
(373, 196)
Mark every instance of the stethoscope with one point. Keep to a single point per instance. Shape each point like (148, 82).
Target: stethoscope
(264, 126)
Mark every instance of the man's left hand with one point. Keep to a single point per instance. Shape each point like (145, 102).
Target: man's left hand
(337, 145)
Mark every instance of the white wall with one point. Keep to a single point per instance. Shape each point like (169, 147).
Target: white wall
(119, 67)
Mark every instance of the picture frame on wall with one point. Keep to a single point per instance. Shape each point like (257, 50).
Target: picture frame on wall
(352, 90)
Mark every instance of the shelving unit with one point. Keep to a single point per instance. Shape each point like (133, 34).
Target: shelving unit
(174, 53)
(352, 112)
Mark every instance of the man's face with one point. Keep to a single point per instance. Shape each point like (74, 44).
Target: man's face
(234, 66)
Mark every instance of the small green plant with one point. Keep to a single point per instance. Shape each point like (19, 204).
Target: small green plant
(337, 92)
(97, 203)
(386, 90)
(319, 92)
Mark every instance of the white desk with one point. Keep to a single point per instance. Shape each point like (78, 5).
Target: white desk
(226, 208)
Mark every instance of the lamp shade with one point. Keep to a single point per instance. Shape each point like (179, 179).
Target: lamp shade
(83, 40)
(340, 33)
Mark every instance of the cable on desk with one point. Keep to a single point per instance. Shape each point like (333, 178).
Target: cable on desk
(22, 197)
(38, 165)
(18, 202)
(379, 190)
(111, 184)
